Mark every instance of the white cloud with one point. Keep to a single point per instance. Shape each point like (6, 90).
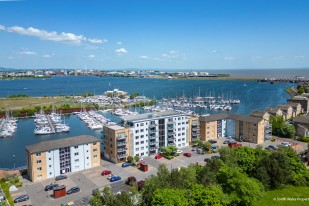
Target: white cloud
(48, 55)
(119, 43)
(213, 51)
(299, 57)
(97, 41)
(229, 58)
(10, 57)
(143, 57)
(121, 51)
(91, 56)
(171, 54)
(28, 52)
(53, 35)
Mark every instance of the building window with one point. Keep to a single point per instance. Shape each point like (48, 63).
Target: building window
(142, 148)
(50, 173)
(94, 150)
(137, 137)
(142, 130)
(38, 154)
(95, 156)
(136, 143)
(76, 147)
(94, 143)
(142, 124)
(39, 169)
(49, 158)
(136, 125)
(137, 149)
(142, 154)
(38, 161)
(183, 128)
(87, 158)
(183, 134)
(77, 160)
(142, 142)
(39, 176)
(76, 153)
(49, 165)
(136, 131)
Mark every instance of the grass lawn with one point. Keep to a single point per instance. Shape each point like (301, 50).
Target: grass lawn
(287, 196)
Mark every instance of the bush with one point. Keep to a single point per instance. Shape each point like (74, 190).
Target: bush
(273, 139)
(304, 139)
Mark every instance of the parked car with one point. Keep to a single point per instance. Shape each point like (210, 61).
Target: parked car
(187, 154)
(286, 144)
(193, 148)
(73, 190)
(21, 198)
(110, 176)
(61, 177)
(115, 178)
(226, 141)
(126, 164)
(273, 147)
(106, 172)
(158, 156)
(212, 141)
(179, 151)
(51, 187)
(131, 180)
(199, 151)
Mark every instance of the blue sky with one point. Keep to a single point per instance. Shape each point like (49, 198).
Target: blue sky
(160, 34)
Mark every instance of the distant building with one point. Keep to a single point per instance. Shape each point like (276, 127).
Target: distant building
(303, 100)
(49, 159)
(115, 93)
(301, 124)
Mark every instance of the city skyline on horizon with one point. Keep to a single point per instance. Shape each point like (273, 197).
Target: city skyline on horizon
(156, 35)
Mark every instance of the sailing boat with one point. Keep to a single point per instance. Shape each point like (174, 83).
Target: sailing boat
(245, 84)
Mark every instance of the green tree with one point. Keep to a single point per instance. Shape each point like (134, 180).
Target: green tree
(181, 178)
(198, 195)
(136, 158)
(228, 156)
(169, 197)
(300, 90)
(107, 198)
(242, 189)
(274, 170)
(245, 158)
(129, 159)
(208, 175)
(133, 95)
(207, 146)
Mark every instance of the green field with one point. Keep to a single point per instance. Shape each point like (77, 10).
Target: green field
(287, 196)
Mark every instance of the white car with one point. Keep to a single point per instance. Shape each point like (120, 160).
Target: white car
(179, 151)
(286, 144)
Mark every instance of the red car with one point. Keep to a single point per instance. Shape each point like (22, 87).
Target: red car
(158, 156)
(187, 154)
(106, 172)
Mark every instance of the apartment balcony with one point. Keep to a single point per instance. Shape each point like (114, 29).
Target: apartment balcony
(170, 133)
(170, 128)
(195, 123)
(152, 149)
(171, 144)
(153, 142)
(152, 137)
(170, 122)
(119, 144)
(194, 129)
(152, 132)
(170, 139)
(152, 125)
(121, 156)
(121, 138)
(122, 149)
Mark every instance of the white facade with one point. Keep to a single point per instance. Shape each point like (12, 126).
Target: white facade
(80, 157)
(145, 133)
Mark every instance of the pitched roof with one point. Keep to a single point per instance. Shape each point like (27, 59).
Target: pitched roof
(256, 113)
(293, 104)
(61, 143)
(283, 107)
(301, 119)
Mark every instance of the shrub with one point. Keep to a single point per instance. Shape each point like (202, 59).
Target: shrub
(304, 139)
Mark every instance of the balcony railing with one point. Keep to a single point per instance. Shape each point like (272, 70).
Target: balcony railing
(152, 137)
(152, 131)
(170, 122)
(170, 133)
(121, 149)
(121, 138)
(171, 144)
(152, 148)
(121, 156)
(194, 129)
(121, 143)
(153, 142)
(170, 128)
(195, 123)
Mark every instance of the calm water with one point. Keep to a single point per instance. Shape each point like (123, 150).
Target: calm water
(253, 96)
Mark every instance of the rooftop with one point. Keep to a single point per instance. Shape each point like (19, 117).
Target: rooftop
(114, 127)
(152, 115)
(61, 143)
(238, 117)
(301, 119)
(293, 104)
(256, 113)
(283, 107)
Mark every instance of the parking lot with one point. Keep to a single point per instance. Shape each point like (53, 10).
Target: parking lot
(91, 179)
